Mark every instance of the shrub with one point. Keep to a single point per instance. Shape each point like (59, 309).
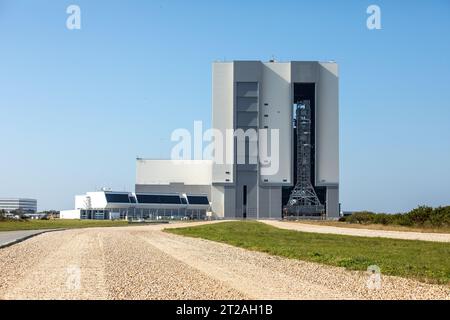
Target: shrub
(382, 218)
(404, 220)
(440, 217)
(421, 216)
(363, 217)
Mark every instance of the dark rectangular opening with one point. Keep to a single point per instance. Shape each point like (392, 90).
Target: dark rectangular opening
(244, 202)
(117, 197)
(304, 91)
(159, 199)
(198, 199)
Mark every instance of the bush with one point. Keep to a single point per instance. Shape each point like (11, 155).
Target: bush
(440, 217)
(363, 217)
(402, 220)
(422, 216)
(382, 218)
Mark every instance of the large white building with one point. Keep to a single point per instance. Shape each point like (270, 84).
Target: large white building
(296, 102)
(278, 124)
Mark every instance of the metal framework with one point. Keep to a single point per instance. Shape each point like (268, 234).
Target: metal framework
(303, 200)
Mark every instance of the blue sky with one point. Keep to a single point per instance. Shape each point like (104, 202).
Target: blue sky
(77, 107)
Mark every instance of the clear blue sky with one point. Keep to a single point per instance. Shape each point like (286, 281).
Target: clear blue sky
(77, 107)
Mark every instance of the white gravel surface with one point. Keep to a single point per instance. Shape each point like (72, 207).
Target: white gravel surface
(143, 262)
(406, 235)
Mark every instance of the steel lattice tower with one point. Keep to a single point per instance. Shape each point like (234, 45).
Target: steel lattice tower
(303, 199)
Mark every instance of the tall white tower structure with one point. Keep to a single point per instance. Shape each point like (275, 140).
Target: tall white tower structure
(251, 96)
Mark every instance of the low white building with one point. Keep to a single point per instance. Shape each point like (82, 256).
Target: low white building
(104, 205)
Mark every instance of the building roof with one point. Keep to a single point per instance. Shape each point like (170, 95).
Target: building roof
(189, 172)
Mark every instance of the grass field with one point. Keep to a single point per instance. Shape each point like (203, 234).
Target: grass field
(58, 224)
(422, 260)
(375, 226)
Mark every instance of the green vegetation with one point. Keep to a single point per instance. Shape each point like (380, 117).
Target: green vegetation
(422, 217)
(422, 260)
(13, 225)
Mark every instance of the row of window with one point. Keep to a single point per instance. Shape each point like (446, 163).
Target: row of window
(151, 214)
(17, 205)
(155, 199)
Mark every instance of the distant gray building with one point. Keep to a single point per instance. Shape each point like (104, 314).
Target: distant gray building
(22, 204)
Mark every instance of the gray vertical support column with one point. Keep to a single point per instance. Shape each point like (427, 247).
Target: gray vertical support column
(333, 203)
(275, 203)
(246, 115)
(269, 202)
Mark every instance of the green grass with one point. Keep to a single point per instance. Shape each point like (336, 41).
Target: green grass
(58, 224)
(422, 260)
(374, 226)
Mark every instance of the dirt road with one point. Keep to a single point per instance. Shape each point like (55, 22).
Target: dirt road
(145, 263)
(406, 235)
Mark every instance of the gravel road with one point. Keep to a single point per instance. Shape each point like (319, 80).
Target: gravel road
(406, 235)
(11, 237)
(143, 262)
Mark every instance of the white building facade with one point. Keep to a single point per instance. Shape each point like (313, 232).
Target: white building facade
(255, 110)
(258, 95)
(112, 205)
(254, 96)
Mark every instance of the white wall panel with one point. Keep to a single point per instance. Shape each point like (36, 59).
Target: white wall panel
(189, 172)
(218, 200)
(223, 115)
(276, 103)
(327, 125)
(70, 214)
